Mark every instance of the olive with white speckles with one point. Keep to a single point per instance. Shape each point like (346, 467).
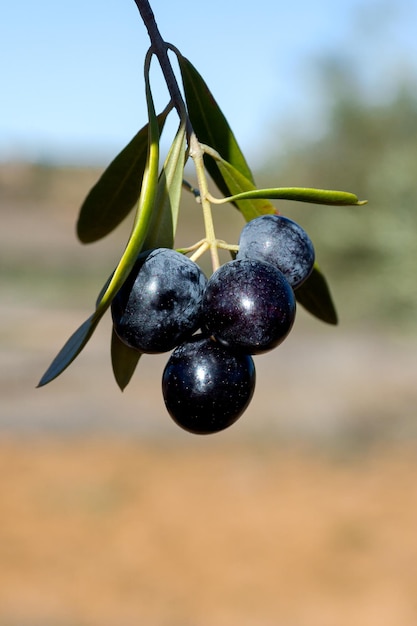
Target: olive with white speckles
(207, 387)
(248, 306)
(159, 305)
(280, 241)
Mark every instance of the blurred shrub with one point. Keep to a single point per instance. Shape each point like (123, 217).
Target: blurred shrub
(368, 253)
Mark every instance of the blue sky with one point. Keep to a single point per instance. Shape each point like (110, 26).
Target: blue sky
(72, 77)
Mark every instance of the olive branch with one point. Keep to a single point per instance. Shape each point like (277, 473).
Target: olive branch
(134, 181)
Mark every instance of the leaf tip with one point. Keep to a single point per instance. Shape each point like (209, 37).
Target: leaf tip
(124, 361)
(333, 319)
(48, 377)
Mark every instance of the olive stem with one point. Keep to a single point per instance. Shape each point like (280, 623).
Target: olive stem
(196, 153)
(200, 251)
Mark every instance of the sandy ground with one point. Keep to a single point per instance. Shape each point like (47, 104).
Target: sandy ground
(109, 533)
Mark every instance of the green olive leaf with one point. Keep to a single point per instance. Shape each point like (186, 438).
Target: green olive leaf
(238, 185)
(314, 295)
(299, 194)
(210, 125)
(124, 361)
(145, 205)
(144, 209)
(161, 233)
(70, 351)
(117, 190)
(167, 204)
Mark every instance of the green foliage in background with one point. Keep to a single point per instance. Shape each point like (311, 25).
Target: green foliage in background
(371, 255)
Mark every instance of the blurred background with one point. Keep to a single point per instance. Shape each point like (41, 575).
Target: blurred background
(304, 512)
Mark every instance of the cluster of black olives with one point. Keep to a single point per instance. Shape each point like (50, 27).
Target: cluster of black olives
(247, 307)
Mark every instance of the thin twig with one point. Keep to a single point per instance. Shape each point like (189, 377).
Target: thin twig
(160, 49)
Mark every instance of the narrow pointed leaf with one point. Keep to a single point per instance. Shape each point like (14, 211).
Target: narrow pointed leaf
(144, 210)
(314, 295)
(140, 228)
(117, 190)
(165, 214)
(237, 184)
(210, 124)
(161, 233)
(298, 194)
(124, 361)
(71, 350)
(103, 290)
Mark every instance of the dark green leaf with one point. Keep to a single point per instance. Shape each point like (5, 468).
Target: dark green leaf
(210, 125)
(124, 361)
(142, 220)
(314, 295)
(237, 183)
(116, 192)
(71, 350)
